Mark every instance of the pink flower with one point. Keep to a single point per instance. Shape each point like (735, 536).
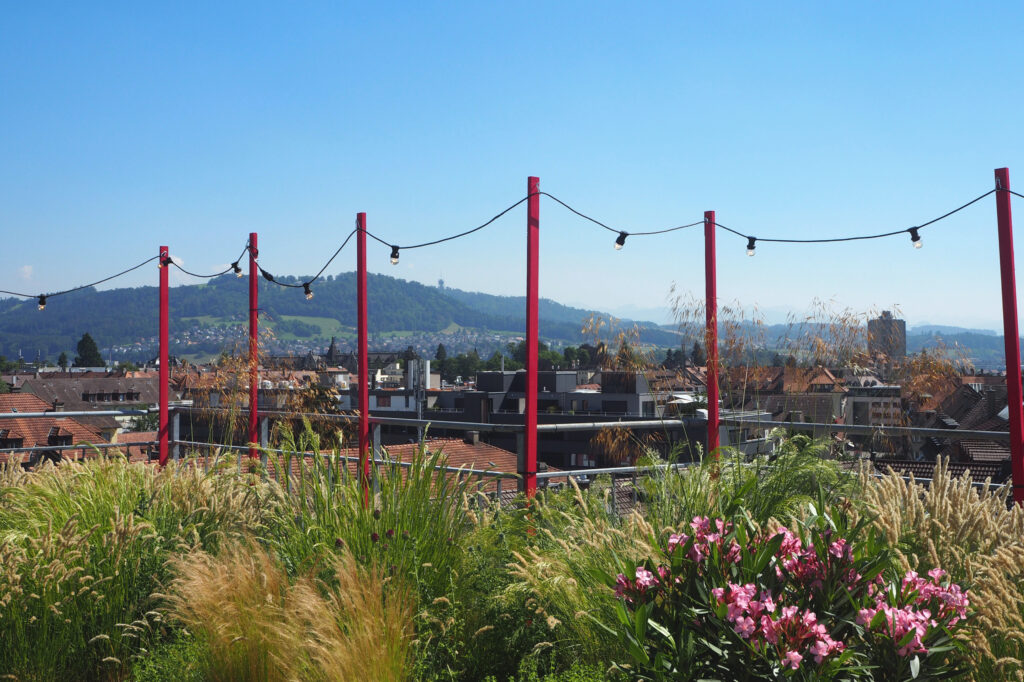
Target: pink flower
(841, 549)
(645, 578)
(793, 659)
(745, 626)
(675, 540)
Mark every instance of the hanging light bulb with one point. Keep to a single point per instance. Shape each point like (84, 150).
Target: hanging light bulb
(915, 238)
(42, 301)
(394, 255)
(751, 245)
(307, 290)
(266, 275)
(238, 270)
(620, 241)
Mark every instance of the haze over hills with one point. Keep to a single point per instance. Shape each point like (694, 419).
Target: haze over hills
(120, 317)
(400, 312)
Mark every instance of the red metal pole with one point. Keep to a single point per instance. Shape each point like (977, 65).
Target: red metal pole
(532, 331)
(1011, 335)
(254, 353)
(711, 332)
(163, 357)
(364, 359)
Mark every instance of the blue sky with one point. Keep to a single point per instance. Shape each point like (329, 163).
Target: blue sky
(131, 125)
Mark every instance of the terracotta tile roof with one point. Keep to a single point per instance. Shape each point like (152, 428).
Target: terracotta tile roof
(136, 453)
(482, 456)
(37, 432)
(979, 470)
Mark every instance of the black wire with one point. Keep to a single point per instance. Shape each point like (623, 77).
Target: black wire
(332, 257)
(84, 286)
(454, 236)
(105, 279)
(1015, 194)
(304, 285)
(270, 278)
(582, 215)
(850, 239)
(216, 274)
(612, 229)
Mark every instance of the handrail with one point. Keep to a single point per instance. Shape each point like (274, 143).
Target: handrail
(952, 434)
(348, 458)
(60, 415)
(78, 446)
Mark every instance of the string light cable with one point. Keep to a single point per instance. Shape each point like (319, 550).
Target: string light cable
(620, 240)
(915, 237)
(395, 248)
(306, 286)
(234, 267)
(42, 298)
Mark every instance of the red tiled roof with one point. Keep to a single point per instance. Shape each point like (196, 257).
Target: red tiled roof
(136, 453)
(36, 432)
(979, 470)
(459, 454)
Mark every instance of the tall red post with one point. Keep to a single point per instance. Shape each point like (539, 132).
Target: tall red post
(532, 331)
(1011, 335)
(163, 357)
(254, 351)
(711, 331)
(364, 358)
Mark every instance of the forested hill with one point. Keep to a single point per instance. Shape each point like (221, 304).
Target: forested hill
(124, 316)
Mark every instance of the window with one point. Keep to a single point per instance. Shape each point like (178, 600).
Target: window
(383, 401)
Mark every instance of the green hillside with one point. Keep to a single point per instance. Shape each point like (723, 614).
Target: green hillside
(125, 316)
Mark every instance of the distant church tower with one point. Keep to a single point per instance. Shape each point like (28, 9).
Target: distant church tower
(333, 356)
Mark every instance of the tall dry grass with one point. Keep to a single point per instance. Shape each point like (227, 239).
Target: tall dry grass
(557, 572)
(259, 625)
(83, 546)
(979, 539)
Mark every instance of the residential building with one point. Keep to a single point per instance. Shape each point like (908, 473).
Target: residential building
(887, 338)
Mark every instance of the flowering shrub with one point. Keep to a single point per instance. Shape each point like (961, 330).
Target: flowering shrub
(724, 601)
(911, 618)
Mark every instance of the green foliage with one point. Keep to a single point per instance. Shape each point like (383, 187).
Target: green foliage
(88, 353)
(84, 547)
(765, 487)
(181, 659)
(734, 602)
(522, 593)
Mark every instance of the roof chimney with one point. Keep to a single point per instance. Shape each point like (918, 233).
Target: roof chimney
(471, 438)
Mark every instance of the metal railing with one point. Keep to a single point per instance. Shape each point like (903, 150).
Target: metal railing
(584, 475)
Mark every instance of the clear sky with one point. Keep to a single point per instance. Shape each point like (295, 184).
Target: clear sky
(128, 125)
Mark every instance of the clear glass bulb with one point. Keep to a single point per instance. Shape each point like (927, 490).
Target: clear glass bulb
(750, 252)
(918, 244)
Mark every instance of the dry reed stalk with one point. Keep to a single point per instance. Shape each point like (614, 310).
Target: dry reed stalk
(259, 626)
(979, 540)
